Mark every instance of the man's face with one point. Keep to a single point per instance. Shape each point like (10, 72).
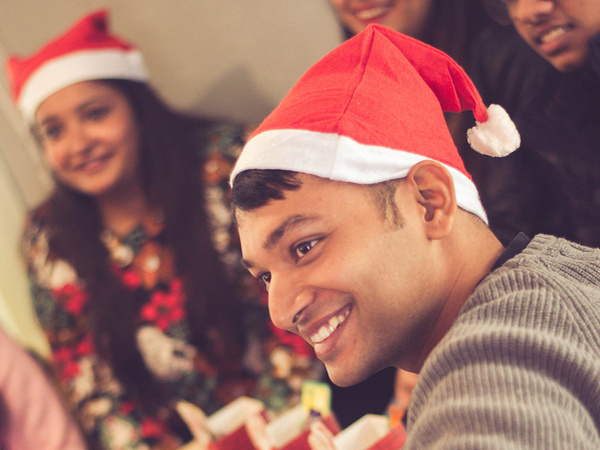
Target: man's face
(558, 30)
(360, 289)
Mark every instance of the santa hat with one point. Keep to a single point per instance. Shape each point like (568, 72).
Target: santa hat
(373, 108)
(87, 51)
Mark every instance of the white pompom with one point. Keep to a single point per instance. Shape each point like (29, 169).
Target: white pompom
(496, 137)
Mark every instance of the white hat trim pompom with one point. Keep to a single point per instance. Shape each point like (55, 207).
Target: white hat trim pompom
(498, 136)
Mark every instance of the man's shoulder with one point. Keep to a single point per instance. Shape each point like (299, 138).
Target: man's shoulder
(550, 290)
(512, 352)
(553, 285)
(546, 262)
(543, 302)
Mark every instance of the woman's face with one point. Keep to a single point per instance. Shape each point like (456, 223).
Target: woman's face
(406, 16)
(90, 138)
(558, 30)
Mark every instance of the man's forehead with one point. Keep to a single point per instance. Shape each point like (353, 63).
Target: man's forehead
(273, 222)
(310, 202)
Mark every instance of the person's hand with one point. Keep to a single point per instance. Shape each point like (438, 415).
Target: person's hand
(404, 385)
(320, 438)
(256, 427)
(197, 422)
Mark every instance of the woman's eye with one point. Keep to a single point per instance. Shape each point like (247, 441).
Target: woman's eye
(97, 113)
(302, 249)
(50, 132)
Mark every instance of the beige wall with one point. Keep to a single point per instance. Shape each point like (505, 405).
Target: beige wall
(227, 58)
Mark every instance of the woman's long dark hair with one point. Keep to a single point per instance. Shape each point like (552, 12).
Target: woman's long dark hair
(454, 25)
(171, 175)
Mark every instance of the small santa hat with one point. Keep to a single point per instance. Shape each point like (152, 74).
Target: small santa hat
(87, 51)
(373, 108)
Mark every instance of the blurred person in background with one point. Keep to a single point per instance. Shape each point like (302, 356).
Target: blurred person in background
(543, 66)
(133, 261)
(32, 413)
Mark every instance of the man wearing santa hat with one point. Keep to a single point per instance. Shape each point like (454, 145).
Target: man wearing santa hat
(355, 210)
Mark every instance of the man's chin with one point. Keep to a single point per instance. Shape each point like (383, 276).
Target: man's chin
(345, 378)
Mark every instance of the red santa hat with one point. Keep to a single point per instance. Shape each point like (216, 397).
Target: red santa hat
(87, 51)
(373, 108)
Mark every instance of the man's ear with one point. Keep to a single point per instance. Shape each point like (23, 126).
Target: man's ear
(435, 193)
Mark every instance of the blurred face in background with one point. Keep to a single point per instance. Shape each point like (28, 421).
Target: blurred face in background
(559, 30)
(90, 138)
(406, 16)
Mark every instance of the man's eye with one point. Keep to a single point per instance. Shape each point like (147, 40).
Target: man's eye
(302, 249)
(265, 279)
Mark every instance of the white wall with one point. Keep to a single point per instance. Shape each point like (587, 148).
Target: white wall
(228, 58)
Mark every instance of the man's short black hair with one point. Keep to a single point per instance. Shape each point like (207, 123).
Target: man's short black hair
(255, 188)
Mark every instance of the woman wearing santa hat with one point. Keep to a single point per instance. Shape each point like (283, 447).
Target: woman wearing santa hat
(131, 255)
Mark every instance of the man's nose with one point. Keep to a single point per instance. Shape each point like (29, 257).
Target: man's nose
(287, 299)
(530, 11)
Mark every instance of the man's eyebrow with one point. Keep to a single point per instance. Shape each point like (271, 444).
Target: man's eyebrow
(278, 233)
(291, 222)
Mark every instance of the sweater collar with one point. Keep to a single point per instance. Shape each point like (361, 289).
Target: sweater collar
(516, 246)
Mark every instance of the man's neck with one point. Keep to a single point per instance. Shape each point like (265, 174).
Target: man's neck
(475, 256)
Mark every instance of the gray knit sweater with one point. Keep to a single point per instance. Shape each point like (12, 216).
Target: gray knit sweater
(520, 366)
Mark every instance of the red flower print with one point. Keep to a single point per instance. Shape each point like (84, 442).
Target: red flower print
(165, 307)
(72, 298)
(70, 370)
(152, 428)
(131, 279)
(67, 357)
(126, 407)
(86, 346)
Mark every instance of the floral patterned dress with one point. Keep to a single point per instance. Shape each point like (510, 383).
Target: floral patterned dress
(278, 362)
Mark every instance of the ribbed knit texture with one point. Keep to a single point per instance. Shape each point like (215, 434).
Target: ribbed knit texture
(520, 367)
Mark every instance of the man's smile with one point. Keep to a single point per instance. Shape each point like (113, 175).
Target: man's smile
(327, 329)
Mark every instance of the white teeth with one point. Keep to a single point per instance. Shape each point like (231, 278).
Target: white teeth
(86, 164)
(553, 34)
(371, 13)
(326, 330)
